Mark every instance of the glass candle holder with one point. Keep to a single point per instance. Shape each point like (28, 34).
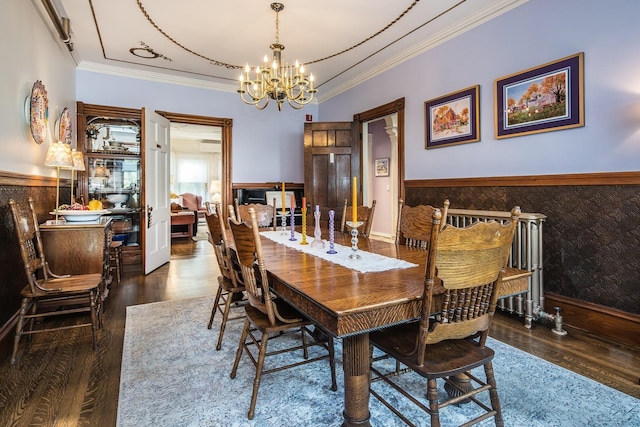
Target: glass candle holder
(354, 238)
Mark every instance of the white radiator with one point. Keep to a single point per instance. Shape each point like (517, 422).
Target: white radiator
(526, 254)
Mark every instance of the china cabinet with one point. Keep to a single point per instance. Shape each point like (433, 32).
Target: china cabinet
(109, 138)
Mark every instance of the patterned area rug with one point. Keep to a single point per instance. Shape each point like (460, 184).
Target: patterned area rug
(173, 376)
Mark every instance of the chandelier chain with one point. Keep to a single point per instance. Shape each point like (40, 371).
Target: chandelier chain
(161, 31)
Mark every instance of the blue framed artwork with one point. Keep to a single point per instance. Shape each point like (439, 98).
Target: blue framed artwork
(541, 99)
(452, 119)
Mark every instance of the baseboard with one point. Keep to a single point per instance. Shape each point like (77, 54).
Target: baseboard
(605, 322)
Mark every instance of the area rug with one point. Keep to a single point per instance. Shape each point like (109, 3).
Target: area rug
(172, 376)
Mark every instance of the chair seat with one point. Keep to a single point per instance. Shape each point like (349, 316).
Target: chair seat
(80, 283)
(442, 359)
(261, 320)
(227, 284)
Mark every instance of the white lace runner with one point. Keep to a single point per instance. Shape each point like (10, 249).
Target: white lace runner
(368, 262)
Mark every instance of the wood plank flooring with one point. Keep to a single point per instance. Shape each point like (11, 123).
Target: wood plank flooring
(61, 381)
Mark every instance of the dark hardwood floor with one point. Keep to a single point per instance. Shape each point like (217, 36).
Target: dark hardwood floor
(61, 381)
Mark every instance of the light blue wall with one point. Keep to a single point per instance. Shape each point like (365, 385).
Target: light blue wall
(538, 32)
(30, 51)
(267, 144)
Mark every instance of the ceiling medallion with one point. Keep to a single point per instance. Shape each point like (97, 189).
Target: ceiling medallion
(146, 52)
(278, 80)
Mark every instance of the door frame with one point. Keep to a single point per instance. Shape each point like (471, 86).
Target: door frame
(226, 124)
(393, 107)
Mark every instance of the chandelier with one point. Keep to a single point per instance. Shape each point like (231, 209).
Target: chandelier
(278, 80)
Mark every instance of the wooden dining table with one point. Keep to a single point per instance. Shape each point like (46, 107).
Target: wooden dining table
(349, 304)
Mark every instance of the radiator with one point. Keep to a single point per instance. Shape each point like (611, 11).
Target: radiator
(526, 254)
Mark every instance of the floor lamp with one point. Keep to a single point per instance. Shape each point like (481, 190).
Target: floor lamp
(58, 156)
(78, 165)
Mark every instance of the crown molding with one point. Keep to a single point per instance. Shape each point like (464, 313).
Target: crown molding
(155, 76)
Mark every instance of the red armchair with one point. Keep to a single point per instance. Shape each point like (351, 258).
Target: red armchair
(193, 202)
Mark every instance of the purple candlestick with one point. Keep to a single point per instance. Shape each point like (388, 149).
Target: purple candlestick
(293, 223)
(331, 236)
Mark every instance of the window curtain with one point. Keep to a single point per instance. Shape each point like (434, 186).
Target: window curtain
(192, 174)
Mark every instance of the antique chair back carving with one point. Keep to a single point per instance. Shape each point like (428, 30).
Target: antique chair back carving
(415, 223)
(265, 214)
(365, 215)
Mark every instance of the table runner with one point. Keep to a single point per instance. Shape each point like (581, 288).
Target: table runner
(368, 262)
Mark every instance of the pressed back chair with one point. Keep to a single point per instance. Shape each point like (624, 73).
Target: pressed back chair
(230, 286)
(63, 294)
(415, 224)
(268, 317)
(265, 214)
(365, 215)
(466, 265)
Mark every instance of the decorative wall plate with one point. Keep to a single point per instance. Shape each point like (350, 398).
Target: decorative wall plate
(65, 126)
(38, 112)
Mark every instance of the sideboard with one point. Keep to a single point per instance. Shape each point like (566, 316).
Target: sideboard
(79, 248)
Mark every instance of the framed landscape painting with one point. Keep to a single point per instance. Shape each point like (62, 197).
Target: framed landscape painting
(382, 167)
(452, 119)
(541, 99)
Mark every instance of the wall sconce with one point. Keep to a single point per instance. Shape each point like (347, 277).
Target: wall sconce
(58, 156)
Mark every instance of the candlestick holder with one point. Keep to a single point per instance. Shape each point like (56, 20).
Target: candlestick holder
(283, 222)
(332, 215)
(292, 223)
(317, 233)
(354, 238)
(304, 228)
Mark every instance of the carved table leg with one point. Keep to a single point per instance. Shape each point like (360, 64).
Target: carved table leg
(356, 361)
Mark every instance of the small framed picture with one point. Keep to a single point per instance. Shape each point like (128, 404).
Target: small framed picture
(541, 99)
(452, 119)
(382, 167)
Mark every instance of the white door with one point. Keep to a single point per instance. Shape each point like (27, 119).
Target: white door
(157, 221)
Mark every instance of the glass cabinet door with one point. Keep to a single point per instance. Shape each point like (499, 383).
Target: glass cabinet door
(115, 182)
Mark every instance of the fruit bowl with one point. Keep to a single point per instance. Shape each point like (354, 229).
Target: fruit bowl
(80, 215)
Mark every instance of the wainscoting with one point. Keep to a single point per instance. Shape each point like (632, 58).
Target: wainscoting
(591, 239)
(12, 275)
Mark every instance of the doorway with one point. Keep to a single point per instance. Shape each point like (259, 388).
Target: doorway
(390, 117)
(379, 173)
(210, 137)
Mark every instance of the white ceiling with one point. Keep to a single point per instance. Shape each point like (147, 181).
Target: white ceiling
(341, 42)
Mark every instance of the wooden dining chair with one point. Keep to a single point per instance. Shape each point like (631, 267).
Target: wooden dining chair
(265, 214)
(365, 215)
(415, 224)
(269, 318)
(462, 281)
(47, 294)
(230, 286)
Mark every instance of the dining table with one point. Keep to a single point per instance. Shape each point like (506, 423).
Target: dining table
(348, 303)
